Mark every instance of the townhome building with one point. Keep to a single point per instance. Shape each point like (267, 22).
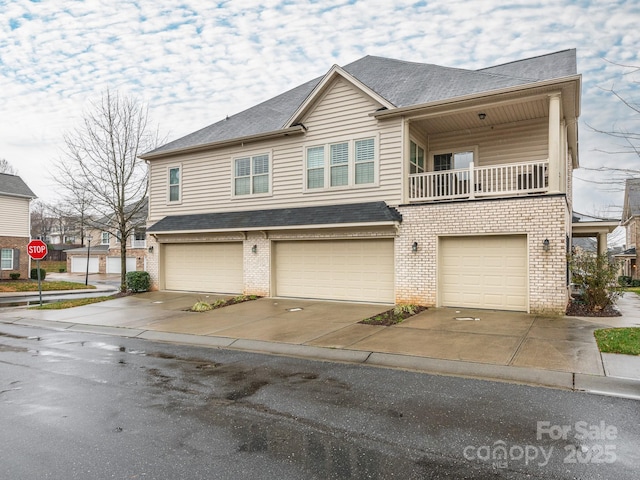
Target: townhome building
(381, 181)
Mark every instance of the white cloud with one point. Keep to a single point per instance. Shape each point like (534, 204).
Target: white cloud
(196, 62)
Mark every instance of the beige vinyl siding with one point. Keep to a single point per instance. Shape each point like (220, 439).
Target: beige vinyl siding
(342, 112)
(524, 142)
(14, 221)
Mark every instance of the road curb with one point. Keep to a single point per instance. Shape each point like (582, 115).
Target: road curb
(595, 384)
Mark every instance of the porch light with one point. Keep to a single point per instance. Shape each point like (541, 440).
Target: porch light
(414, 247)
(545, 245)
(151, 249)
(482, 116)
(254, 249)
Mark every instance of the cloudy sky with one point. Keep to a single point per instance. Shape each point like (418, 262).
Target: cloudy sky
(195, 61)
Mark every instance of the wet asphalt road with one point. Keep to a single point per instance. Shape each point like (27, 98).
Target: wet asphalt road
(84, 406)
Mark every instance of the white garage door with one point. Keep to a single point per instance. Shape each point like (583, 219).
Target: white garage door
(358, 270)
(484, 272)
(79, 264)
(113, 264)
(203, 267)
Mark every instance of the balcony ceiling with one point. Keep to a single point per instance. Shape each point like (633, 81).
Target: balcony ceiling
(495, 115)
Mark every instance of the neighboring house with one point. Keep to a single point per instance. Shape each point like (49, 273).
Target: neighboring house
(382, 181)
(15, 198)
(631, 223)
(586, 227)
(103, 250)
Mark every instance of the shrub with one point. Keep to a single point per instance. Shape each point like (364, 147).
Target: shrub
(34, 274)
(14, 276)
(624, 280)
(635, 283)
(138, 281)
(62, 270)
(201, 306)
(598, 277)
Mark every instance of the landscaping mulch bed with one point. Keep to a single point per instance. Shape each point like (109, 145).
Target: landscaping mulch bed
(226, 303)
(391, 317)
(575, 309)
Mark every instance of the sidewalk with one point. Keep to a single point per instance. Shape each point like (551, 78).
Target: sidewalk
(508, 346)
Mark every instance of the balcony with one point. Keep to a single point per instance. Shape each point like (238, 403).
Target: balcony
(477, 182)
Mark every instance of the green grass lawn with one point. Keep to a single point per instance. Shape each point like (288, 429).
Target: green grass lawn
(635, 290)
(619, 340)
(32, 286)
(77, 302)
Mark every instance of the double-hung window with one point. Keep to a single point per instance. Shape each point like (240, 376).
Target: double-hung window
(174, 184)
(104, 238)
(6, 259)
(251, 175)
(341, 164)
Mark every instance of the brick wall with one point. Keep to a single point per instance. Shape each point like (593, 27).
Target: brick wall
(539, 218)
(19, 243)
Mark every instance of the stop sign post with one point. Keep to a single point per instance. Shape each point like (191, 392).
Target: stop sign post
(37, 250)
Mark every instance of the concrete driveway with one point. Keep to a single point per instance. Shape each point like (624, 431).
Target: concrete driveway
(492, 344)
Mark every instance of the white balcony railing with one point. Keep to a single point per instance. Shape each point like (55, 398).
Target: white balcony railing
(474, 182)
(138, 243)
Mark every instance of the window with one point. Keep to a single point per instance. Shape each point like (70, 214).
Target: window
(315, 167)
(416, 160)
(341, 164)
(339, 160)
(174, 184)
(452, 160)
(251, 175)
(6, 259)
(104, 238)
(365, 158)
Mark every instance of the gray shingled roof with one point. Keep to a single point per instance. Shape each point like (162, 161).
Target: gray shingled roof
(370, 212)
(14, 186)
(633, 196)
(401, 83)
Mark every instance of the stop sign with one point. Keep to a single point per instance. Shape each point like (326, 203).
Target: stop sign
(37, 249)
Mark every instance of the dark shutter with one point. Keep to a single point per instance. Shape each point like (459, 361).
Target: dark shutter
(16, 259)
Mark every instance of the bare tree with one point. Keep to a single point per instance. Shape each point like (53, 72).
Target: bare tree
(41, 220)
(627, 140)
(101, 167)
(6, 167)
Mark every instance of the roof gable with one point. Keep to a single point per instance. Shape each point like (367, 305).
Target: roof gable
(325, 84)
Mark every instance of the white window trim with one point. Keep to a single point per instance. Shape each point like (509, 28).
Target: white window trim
(250, 155)
(455, 150)
(10, 250)
(181, 177)
(102, 242)
(351, 141)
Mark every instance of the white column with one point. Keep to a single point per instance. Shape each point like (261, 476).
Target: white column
(602, 243)
(554, 143)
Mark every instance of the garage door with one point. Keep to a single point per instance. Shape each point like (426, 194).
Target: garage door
(203, 267)
(113, 264)
(484, 272)
(358, 270)
(79, 264)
